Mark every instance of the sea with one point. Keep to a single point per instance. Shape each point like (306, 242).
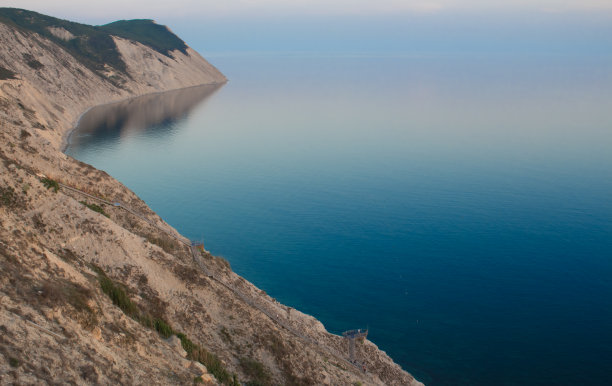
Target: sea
(459, 207)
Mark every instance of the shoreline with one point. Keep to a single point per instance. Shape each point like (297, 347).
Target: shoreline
(62, 245)
(66, 142)
(133, 246)
(67, 135)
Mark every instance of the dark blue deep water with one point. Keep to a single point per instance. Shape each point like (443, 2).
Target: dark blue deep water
(459, 207)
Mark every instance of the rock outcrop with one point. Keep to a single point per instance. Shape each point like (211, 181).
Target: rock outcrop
(91, 292)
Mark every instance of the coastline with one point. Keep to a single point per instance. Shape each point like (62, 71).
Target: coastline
(79, 225)
(67, 134)
(271, 315)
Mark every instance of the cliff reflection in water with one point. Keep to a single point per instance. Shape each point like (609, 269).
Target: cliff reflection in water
(155, 113)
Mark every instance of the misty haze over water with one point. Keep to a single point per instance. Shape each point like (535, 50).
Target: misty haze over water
(458, 206)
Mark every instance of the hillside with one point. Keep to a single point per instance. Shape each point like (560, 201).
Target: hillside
(95, 288)
(93, 46)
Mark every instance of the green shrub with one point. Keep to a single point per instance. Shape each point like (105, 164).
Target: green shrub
(50, 184)
(97, 269)
(7, 196)
(168, 244)
(92, 46)
(95, 208)
(147, 32)
(163, 328)
(213, 364)
(118, 296)
(14, 362)
(187, 344)
(194, 351)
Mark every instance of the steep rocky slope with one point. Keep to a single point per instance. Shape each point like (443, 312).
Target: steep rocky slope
(93, 293)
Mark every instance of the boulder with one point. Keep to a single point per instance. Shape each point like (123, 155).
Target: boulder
(198, 369)
(176, 345)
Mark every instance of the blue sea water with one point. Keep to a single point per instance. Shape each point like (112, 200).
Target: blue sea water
(458, 206)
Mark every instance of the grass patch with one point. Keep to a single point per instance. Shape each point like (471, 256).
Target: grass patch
(77, 296)
(119, 297)
(14, 362)
(50, 184)
(198, 353)
(7, 196)
(166, 243)
(145, 31)
(163, 328)
(95, 208)
(195, 352)
(213, 364)
(256, 371)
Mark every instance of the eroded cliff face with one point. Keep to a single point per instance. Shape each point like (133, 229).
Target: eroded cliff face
(56, 322)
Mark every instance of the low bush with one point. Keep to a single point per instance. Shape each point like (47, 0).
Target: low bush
(95, 208)
(214, 365)
(118, 296)
(64, 292)
(14, 362)
(163, 328)
(50, 184)
(7, 196)
(194, 351)
(256, 371)
(164, 243)
(211, 361)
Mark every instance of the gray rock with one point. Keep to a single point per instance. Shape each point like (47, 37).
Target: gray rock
(175, 343)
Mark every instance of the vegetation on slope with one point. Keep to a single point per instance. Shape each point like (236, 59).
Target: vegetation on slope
(145, 31)
(50, 184)
(93, 46)
(6, 74)
(95, 208)
(195, 352)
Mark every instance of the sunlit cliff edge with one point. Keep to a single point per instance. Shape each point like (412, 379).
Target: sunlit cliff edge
(91, 293)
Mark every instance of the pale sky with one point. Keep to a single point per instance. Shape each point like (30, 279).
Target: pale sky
(113, 9)
(413, 26)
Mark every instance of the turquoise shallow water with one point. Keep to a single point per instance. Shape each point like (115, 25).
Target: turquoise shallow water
(459, 207)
